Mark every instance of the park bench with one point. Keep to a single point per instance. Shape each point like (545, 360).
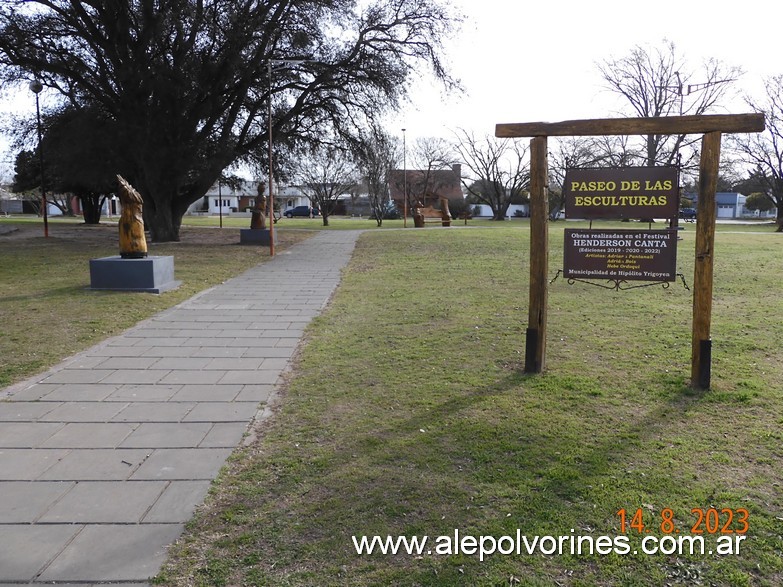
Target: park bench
(425, 214)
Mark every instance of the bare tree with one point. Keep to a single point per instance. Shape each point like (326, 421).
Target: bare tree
(377, 153)
(764, 151)
(658, 82)
(499, 169)
(429, 154)
(325, 176)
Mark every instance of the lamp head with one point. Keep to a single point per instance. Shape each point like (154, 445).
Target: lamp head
(36, 86)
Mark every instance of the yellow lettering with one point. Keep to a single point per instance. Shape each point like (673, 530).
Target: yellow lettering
(627, 186)
(658, 186)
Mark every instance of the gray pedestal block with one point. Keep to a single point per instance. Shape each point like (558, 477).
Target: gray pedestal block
(255, 236)
(152, 274)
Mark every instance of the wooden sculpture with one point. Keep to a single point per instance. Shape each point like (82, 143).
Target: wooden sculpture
(133, 244)
(258, 220)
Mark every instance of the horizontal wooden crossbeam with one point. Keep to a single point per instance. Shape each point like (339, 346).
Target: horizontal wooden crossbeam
(663, 125)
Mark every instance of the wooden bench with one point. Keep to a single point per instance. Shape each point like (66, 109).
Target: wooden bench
(425, 214)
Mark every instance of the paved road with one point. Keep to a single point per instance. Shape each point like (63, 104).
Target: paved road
(104, 458)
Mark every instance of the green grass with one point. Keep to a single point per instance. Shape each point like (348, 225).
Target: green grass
(335, 223)
(46, 312)
(407, 414)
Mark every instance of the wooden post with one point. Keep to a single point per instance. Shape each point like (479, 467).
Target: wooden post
(706, 213)
(535, 344)
(711, 126)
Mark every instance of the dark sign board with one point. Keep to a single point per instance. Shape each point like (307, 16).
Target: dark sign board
(632, 192)
(630, 255)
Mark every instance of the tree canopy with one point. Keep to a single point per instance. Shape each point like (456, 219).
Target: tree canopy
(658, 81)
(499, 170)
(186, 85)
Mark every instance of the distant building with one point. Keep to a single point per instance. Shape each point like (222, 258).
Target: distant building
(732, 205)
(425, 186)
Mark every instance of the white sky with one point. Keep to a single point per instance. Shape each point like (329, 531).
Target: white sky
(530, 61)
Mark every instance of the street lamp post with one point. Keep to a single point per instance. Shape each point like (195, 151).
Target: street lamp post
(36, 87)
(404, 184)
(271, 206)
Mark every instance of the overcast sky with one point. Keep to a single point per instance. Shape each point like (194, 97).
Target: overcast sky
(529, 61)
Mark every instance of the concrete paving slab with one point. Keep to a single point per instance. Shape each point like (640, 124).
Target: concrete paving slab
(95, 465)
(113, 553)
(235, 364)
(218, 352)
(167, 435)
(269, 376)
(255, 393)
(26, 434)
(89, 435)
(33, 393)
(207, 393)
(84, 412)
(138, 376)
(74, 392)
(269, 352)
(26, 549)
(24, 411)
(155, 412)
(182, 363)
(178, 502)
(198, 377)
(18, 464)
(127, 363)
(224, 435)
(222, 412)
(24, 502)
(121, 349)
(78, 376)
(143, 393)
(182, 464)
(97, 502)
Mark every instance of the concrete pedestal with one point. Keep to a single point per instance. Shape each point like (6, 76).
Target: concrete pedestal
(255, 236)
(151, 274)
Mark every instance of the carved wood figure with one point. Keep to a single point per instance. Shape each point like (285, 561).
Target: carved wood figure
(258, 219)
(133, 244)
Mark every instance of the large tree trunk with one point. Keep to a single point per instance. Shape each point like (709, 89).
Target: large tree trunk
(780, 215)
(163, 210)
(91, 208)
(162, 219)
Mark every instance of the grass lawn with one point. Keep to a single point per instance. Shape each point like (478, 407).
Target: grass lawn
(407, 414)
(335, 222)
(46, 314)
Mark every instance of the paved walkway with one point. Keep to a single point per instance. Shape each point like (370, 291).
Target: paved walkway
(104, 458)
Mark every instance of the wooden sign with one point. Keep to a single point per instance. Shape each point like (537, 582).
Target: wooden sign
(632, 192)
(628, 255)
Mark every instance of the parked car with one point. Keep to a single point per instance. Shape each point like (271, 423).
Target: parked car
(688, 213)
(391, 212)
(305, 211)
